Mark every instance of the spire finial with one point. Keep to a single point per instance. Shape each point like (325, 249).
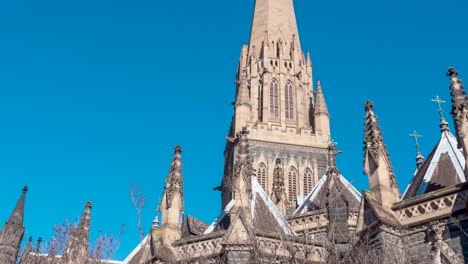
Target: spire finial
(38, 245)
(419, 157)
(443, 122)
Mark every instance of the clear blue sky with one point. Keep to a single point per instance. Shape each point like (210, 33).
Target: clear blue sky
(95, 94)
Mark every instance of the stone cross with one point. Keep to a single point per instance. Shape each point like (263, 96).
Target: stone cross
(439, 102)
(416, 137)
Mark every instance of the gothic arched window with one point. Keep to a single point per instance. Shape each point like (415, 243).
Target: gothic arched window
(262, 175)
(274, 99)
(308, 181)
(292, 185)
(289, 100)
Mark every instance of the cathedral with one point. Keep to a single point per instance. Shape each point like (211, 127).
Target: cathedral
(283, 197)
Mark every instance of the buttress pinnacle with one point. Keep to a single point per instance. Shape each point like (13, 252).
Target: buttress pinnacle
(174, 179)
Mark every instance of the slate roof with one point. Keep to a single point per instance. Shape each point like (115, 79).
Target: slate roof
(374, 212)
(444, 167)
(266, 216)
(317, 200)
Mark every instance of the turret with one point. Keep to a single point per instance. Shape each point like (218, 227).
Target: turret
(76, 251)
(377, 165)
(243, 106)
(322, 117)
(12, 232)
(172, 203)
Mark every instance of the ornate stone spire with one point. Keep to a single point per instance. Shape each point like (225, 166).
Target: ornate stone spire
(243, 172)
(321, 115)
(419, 156)
(277, 18)
(243, 97)
(320, 104)
(278, 194)
(174, 179)
(459, 107)
(78, 243)
(172, 204)
(12, 232)
(377, 165)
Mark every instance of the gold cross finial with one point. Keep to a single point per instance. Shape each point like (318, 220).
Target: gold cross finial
(416, 137)
(439, 103)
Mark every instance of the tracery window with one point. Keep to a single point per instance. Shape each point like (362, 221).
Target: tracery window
(289, 101)
(292, 185)
(308, 181)
(262, 175)
(274, 99)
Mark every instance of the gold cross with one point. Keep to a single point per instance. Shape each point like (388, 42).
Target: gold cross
(416, 137)
(439, 102)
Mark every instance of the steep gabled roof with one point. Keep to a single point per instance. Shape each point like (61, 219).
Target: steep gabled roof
(443, 168)
(371, 212)
(193, 227)
(266, 217)
(316, 199)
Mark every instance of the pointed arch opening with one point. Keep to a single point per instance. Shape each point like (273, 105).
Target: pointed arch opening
(289, 100)
(274, 99)
(292, 185)
(262, 175)
(308, 181)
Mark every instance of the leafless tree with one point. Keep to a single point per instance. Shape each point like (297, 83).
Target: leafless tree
(138, 202)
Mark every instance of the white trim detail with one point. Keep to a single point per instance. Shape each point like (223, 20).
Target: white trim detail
(447, 144)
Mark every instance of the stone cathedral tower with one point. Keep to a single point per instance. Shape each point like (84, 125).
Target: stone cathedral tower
(288, 122)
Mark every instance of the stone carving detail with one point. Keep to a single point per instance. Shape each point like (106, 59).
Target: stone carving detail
(243, 166)
(174, 180)
(438, 206)
(278, 183)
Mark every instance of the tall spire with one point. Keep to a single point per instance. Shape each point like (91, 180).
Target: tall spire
(12, 232)
(172, 203)
(78, 243)
(277, 18)
(377, 165)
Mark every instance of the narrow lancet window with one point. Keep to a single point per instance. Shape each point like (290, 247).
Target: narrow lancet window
(274, 99)
(289, 100)
(292, 185)
(262, 175)
(308, 184)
